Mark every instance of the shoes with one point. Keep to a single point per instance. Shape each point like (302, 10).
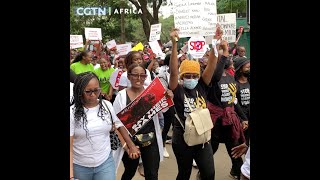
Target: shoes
(194, 164)
(169, 140)
(141, 169)
(233, 175)
(165, 153)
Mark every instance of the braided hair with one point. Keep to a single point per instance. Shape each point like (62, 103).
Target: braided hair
(80, 116)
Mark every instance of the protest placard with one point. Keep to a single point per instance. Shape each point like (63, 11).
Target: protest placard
(155, 32)
(196, 46)
(111, 44)
(93, 33)
(115, 78)
(228, 24)
(195, 17)
(76, 41)
(123, 49)
(141, 110)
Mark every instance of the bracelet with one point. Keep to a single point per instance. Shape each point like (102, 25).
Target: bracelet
(124, 145)
(72, 178)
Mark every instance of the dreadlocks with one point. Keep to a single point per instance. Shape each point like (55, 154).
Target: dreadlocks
(80, 115)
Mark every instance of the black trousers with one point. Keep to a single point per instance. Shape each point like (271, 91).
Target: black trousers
(222, 134)
(185, 155)
(150, 159)
(168, 119)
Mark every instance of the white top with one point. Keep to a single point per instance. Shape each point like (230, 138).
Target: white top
(245, 168)
(71, 91)
(124, 81)
(119, 104)
(94, 152)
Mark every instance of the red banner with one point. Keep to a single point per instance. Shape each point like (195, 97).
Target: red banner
(141, 110)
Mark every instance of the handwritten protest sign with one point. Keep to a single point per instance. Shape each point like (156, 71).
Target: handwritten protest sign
(76, 41)
(228, 24)
(141, 110)
(195, 17)
(155, 32)
(93, 33)
(123, 49)
(111, 44)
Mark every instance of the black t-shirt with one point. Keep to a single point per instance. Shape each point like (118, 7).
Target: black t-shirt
(194, 101)
(222, 93)
(149, 127)
(243, 96)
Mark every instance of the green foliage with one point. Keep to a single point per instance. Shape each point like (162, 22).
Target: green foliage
(166, 26)
(231, 6)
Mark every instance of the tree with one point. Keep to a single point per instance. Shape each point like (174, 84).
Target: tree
(146, 17)
(231, 6)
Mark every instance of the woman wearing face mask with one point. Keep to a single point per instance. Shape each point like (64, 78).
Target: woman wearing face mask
(242, 76)
(195, 88)
(228, 127)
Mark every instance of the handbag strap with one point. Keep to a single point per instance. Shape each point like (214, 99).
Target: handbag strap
(106, 106)
(176, 115)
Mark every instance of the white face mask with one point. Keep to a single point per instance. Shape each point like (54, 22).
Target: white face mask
(190, 83)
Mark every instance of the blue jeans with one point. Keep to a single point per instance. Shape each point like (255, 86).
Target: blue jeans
(105, 171)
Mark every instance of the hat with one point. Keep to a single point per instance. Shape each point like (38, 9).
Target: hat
(189, 66)
(239, 62)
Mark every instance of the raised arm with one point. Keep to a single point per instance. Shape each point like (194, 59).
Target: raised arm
(221, 63)
(212, 61)
(174, 70)
(86, 45)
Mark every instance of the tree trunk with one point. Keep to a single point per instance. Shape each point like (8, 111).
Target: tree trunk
(123, 35)
(146, 17)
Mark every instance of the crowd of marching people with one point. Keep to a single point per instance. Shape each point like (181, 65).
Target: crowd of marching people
(219, 83)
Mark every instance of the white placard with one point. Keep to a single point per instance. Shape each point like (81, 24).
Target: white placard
(76, 41)
(155, 32)
(115, 78)
(156, 49)
(195, 17)
(111, 44)
(228, 23)
(93, 33)
(123, 49)
(197, 46)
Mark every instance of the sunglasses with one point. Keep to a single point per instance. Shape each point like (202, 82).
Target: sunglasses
(191, 76)
(138, 76)
(95, 91)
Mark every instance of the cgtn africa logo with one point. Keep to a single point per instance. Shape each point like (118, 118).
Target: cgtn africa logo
(104, 11)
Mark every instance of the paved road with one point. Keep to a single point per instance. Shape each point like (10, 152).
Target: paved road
(169, 170)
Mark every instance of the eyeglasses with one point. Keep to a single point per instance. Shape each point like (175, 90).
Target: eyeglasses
(95, 91)
(138, 76)
(191, 76)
